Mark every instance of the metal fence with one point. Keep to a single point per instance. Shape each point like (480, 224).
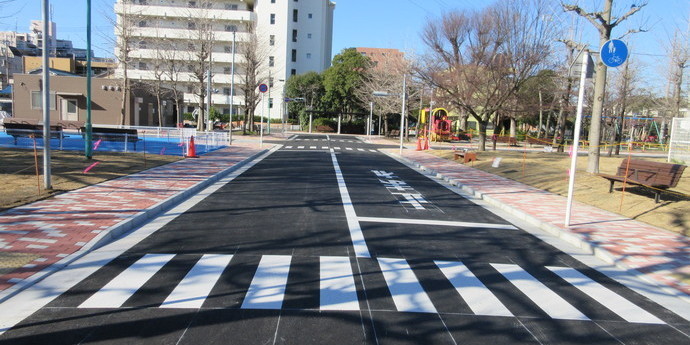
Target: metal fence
(152, 140)
(679, 144)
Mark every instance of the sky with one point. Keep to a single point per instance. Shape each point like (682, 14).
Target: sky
(389, 24)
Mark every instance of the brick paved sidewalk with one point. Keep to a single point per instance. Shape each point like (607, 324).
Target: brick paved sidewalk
(658, 254)
(46, 235)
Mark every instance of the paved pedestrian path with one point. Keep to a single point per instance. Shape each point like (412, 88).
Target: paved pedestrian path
(43, 236)
(657, 254)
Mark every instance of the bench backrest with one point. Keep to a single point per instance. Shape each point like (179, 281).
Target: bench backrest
(29, 127)
(652, 173)
(106, 130)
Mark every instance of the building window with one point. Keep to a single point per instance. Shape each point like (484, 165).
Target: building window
(231, 28)
(310, 15)
(293, 72)
(271, 61)
(227, 70)
(192, 4)
(272, 40)
(295, 15)
(228, 49)
(226, 91)
(191, 25)
(270, 81)
(37, 100)
(142, 66)
(273, 1)
(142, 24)
(190, 68)
(191, 46)
(231, 7)
(142, 45)
(294, 55)
(309, 36)
(294, 35)
(308, 55)
(273, 18)
(270, 103)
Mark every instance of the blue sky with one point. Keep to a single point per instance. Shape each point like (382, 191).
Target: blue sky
(384, 24)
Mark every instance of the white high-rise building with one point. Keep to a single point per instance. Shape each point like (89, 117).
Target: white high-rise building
(295, 36)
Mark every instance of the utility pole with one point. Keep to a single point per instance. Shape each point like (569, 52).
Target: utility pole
(46, 97)
(88, 150)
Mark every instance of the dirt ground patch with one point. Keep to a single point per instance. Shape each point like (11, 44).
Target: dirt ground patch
(18, 172)
(549, 172)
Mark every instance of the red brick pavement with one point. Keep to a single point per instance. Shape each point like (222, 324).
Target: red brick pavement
(57, 227)
(658, 254)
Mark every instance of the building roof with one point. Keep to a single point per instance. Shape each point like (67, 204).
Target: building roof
(53, 72)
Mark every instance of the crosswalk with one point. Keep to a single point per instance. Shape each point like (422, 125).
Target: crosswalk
(336, 148)
(340, 286)
(327, 140)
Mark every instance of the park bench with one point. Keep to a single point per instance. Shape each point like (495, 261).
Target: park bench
(539, 141)
(123, 135)
(656, 176)
(394, 133)
(31, 130)
(466, 156)
(507, 140)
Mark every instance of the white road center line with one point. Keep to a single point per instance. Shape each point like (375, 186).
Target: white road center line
(358, 242)
(192, 291)
(550, 302)
(337, 284)
(611, 300)
(118, 290)
(267, 289)
(435, 222)
(408, 294)
(477, 296)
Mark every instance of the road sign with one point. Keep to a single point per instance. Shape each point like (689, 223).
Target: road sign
(614, 53)
(263, 88)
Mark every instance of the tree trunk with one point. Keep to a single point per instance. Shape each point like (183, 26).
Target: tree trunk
(482, 135)
(513, 127)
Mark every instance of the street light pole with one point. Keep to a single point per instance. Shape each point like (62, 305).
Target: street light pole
(402, 115)
(232, 82)
(88, 139)
(46, 98)
(371, 118)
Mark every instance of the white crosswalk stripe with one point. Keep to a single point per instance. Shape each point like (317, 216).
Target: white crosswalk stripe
(338, 290)
(550, 302)
(117, 291)
(191, 292)
(268, 286)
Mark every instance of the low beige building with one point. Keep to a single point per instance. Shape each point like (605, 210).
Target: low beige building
(68, 101)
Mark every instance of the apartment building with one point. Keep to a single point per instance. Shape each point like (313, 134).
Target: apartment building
(295, 36)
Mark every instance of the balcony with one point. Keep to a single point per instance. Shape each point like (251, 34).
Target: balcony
(185, 34)
(185, 12)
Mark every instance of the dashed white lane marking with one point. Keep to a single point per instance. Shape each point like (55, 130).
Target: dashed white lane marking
(550, 302)
(348, 148)
(337, 284)
(312, 147)
(191, 292)
(408, 294)
(268, 285)
(477, 296)
(300, 147)
(118, 290)
(606, 297)
(358, 242)
(436, 222)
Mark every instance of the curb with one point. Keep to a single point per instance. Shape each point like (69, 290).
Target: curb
(123, 227)
(570, 238)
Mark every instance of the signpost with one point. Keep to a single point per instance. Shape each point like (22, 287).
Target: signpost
(262, 88)
(614, 53)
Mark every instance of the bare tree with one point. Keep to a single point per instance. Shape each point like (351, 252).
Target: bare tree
(253, 72)
(172, 69)
(201, 48)
(125, 38)
(679, 54)
(604, 23)
(626, 84)
(481, 59)
(386, 77)
(156, 80)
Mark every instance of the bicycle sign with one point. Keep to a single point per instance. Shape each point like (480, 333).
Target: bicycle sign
(614, 53)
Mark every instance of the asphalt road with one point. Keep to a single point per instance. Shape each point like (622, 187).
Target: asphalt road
(328, 241)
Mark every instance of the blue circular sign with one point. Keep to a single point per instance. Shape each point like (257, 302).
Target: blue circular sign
(263, 88)
(614, 53)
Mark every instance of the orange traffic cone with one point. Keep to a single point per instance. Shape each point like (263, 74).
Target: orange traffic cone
(419, 145)
(191, 149)
(426, 144)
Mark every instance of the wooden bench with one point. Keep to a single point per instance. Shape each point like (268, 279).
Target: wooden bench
(394, 133)
(124, 135)
(656, 176)
(539, 141)
(466, 156)
(26, 130)
(503, 139)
